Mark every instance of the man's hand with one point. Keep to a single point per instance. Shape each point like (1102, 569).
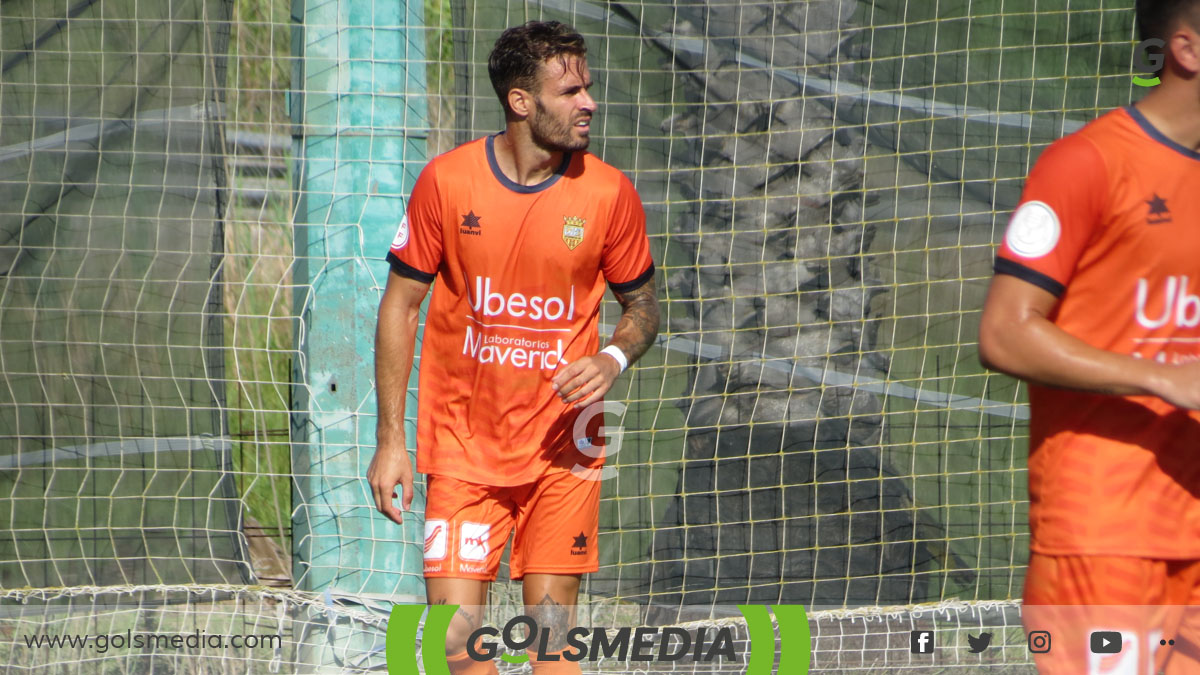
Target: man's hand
(390, 468)
(587, 380)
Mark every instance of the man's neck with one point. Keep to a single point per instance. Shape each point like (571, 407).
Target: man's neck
(1174, 109)
(521, 160)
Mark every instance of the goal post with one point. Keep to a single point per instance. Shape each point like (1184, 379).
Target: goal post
(359, 127)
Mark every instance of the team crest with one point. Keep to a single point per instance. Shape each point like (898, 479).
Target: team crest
(573, 231)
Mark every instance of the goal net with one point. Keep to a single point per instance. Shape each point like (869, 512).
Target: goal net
(824, 182)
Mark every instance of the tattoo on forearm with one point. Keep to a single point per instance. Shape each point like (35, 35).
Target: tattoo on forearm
(638, 326)
(553, 616)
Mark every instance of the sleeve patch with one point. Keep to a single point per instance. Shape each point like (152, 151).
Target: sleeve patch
(401, 239)
(1034, 230)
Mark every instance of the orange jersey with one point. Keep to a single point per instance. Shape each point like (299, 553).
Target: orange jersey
(1110, 223)
(520, 271)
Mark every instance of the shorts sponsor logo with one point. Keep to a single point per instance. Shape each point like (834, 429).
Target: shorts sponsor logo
(435, 539)
(430, 569)
(1033, 230)
(471, 569)
(401, 239)
(473, 541)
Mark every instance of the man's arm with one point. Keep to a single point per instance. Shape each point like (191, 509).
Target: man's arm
(395, 343)
(587, 380)
(1017, 338)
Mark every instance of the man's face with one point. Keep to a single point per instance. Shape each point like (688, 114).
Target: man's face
(562, 108)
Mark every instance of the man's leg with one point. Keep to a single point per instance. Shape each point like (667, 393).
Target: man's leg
(550, 600)
(466, 528)
(555, 544)
(470, 595)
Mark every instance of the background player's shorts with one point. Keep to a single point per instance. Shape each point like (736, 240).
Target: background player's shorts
(557, 519)
(1145, 601)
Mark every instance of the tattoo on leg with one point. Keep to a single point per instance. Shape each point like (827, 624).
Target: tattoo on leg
(467, 616)
(553, 616)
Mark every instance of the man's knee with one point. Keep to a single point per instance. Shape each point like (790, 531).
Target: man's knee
(465, 622)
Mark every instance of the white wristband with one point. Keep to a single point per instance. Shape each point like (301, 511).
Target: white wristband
(615, 352)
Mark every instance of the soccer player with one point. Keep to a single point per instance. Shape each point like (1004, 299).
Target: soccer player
(1096, 304)
(522, 230)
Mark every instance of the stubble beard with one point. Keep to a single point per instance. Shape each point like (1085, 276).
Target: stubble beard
(551, 134)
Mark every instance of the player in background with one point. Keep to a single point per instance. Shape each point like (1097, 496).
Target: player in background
(522, 230)
(1096, 305)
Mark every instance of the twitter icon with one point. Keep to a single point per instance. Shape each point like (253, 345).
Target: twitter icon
(980, 643)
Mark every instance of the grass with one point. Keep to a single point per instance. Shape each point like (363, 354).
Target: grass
(257, 269)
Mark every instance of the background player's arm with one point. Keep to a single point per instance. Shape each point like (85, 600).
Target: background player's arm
(1016, 337)
(587, 380)
(395, 343)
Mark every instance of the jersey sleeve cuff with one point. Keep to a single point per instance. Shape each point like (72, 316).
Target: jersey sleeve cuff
(634, 284)
(408, 271)
(1016, 269)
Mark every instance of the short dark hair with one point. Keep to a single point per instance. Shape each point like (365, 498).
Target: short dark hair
(521, 51)
(1157, 18)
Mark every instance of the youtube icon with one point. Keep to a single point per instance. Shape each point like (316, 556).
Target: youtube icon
(1106, 642)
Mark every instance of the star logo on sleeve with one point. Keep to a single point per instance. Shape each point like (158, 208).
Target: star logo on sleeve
(1159, 213)
(471, 224)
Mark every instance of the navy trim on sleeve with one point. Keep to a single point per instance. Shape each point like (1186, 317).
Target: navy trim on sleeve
(633, 285)
(1016, 269)
(408, 271)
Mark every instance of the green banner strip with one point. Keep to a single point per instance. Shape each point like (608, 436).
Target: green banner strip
(795, 641)
(433, 639)
(762, 639)
(401, 642)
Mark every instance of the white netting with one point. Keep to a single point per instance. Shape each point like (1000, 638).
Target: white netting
(824, 181)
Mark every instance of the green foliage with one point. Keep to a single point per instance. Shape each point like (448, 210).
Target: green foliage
(259, 71)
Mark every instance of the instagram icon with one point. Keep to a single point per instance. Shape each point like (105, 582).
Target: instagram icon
(1039, 641)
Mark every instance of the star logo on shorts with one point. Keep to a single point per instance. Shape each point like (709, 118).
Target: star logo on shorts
(579, 546)
(1159, 213)
(470, 224)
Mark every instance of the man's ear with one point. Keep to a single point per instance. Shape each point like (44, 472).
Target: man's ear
(1185, 48)
(520, 102)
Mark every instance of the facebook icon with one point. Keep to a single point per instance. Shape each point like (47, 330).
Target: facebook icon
(922, 642)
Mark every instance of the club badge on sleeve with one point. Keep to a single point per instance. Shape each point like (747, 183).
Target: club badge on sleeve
(1034, 230)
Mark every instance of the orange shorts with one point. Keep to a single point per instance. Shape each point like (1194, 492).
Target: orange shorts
(1153, 605)
(467, 525)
